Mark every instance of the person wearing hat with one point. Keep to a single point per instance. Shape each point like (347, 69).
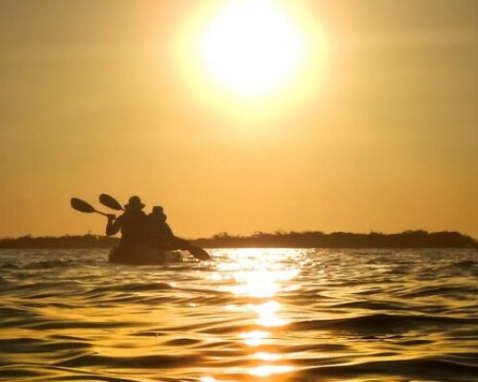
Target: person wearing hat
(132, 223)
(160, 233)
(161, 236)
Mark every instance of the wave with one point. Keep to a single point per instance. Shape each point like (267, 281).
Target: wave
(442, 290)
(424, 368)
(321, 315)
(382, 323)
(140, 362)
(34, 372)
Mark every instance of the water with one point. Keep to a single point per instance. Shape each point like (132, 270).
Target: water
(252, 315)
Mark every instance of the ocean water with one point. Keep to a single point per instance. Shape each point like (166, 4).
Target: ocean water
(250, 315)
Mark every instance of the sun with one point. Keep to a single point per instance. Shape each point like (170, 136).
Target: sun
(252, 47)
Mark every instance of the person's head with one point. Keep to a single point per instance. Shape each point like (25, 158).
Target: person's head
(134, 204)
(158, 213)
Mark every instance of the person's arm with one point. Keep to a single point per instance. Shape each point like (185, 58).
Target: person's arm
(168, 232)
(179, 243)
(113, 226)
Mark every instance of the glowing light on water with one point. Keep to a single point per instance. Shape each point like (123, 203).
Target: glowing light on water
(268, 370)
(267, 356)
(211, 379)
(207, 379)
(255, 337)
(267, 314)
(258, 274)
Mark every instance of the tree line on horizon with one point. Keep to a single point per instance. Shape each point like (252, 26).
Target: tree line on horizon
(61, 242)
(318, 239)
(279, 239)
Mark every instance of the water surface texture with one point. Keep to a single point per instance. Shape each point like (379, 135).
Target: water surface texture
(251, 315)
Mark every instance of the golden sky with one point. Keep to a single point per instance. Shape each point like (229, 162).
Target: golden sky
(375, 128)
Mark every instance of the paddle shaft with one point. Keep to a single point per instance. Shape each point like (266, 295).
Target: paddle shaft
(197, 252)
(84, 207)
(101, 213)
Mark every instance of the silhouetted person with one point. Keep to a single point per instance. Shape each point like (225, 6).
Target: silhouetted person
(132, 223)
(162, 236)
(160, 233)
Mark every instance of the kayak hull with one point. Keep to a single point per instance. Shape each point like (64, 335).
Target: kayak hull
(143, 256)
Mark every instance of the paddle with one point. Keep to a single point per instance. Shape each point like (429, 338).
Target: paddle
(197, 252)
(110, 202)
(82, 206)
(194, 250)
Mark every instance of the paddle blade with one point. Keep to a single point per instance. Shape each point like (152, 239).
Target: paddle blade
(110, 202)
(199, 253)
(81, 206)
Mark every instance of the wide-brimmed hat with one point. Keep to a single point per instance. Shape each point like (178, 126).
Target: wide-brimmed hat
(158, 211)
(134, 203)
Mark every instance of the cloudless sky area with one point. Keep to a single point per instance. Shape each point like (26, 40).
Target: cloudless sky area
(376, 130)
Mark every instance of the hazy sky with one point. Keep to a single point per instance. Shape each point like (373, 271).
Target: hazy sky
(379, 132)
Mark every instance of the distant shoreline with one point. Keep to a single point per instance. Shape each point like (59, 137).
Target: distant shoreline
(314, 239)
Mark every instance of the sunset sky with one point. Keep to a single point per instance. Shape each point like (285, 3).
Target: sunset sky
(240, 116)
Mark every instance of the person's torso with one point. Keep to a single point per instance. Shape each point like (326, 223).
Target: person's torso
(133, 226)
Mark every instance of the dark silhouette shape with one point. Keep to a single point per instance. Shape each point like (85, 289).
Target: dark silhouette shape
(160, 233)
(264, 240)
(407, 239)
(151, 234)
(64, 242)
(153, 231)
(82, 206)
(110, 202)
(162, 237)
(132, 224)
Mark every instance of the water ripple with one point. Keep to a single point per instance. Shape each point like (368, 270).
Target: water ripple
(251, 315)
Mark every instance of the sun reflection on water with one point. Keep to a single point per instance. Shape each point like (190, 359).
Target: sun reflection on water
(267, 314)
(259, 275)
(382, 311)
(264, 356)
(268, 370)
(255, 337)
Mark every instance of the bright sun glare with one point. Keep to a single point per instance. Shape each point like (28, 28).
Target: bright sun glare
(252, 47)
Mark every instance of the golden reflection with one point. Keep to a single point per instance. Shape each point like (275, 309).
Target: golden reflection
(211, 379)
(254, 338)
(263, 356)
(207, 379)
(260, 275)
(257, 275)
(267, 314)
(268, 370)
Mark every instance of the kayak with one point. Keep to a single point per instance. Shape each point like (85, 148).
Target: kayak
(143, 256)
